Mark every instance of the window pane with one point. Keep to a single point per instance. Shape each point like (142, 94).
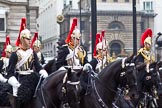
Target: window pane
(115, 0)
(116, 48)
(103, 0)
(144, 6)
(2, 28)
(147, 5)
(151, 7)
(126, 0)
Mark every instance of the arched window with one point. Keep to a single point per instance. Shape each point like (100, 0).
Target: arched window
(116, 48)
(116, 25)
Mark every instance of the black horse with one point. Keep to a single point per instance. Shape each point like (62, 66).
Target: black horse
(50, 66)
(104, 87)
(67, 80)
(57, 86)
(149, 82)
(105, 84)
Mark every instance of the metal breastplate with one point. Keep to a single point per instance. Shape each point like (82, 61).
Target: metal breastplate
(28, 64)
(72, 59)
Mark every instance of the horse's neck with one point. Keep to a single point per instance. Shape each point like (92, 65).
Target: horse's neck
(110, 76)
(108, 84)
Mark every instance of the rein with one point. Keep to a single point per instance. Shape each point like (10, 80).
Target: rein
(99, 99)
(43, 98)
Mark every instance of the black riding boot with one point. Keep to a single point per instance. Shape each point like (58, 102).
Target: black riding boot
(17, 103)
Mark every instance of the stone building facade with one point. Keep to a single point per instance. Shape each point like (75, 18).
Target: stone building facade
(116, 18)
(119, 29)
(11, 12)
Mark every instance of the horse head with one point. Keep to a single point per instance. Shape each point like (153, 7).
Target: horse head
(148, 76)
(108, 80)
(71, 88)
(159, 73)
(128, 77)
(61, 88)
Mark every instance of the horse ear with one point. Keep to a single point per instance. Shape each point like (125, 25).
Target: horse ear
(128, 59)
(79, 73)
(69, 72)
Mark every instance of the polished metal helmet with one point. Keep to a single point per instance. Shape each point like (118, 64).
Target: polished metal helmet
(148, 40)
(37, 43)
(76, 34)
(9, 48)
(101, 46)
(25, 34)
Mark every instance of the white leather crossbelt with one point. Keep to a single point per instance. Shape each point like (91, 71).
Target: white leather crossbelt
(25, 72)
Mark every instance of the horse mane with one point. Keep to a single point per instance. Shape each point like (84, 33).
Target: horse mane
(110, 66)
(55, 77)
(50, 66)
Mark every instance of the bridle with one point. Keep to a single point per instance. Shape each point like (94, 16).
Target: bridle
(65, 91)
(96, 78)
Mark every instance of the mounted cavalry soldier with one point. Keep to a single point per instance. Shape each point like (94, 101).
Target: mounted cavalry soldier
(4, 61)
(36, 46)
(71, 53)
(23, 63)
(144, 54)
(100, 54)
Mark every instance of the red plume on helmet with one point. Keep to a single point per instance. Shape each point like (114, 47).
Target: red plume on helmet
(34, 39)
(22, 27)
(146, 33)
(98, 39)
(102, 34)
(5, 45)
(74, 24)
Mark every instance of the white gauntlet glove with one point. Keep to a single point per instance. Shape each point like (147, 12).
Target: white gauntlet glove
(15, 84)
(2, 79)
(43, 73)
(86, 67)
